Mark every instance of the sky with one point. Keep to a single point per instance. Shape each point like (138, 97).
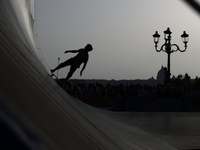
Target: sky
(120, 32)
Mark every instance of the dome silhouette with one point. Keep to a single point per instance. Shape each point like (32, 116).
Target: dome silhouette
(161, 75)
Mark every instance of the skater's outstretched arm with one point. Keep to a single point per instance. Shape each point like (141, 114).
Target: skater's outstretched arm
(72, 51)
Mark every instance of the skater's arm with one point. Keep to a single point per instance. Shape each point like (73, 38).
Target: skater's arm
(85, 63)
(72, 51)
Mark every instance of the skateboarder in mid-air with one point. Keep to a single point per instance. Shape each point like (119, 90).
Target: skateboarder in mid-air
(76, 61)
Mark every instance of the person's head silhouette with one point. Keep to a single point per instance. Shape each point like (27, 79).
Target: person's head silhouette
(89, 47)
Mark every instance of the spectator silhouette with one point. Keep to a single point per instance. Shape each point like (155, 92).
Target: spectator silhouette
(76, 61)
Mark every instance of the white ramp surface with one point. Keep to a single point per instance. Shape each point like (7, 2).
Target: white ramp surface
(57, 121)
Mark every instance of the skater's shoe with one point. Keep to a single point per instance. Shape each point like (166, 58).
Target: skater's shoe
(52, 71)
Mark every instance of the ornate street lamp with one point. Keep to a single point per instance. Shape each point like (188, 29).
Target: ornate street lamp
(168, 47)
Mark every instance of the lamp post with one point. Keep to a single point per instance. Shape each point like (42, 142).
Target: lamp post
(168, 47)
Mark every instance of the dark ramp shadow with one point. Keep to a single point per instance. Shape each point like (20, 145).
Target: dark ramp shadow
(193, 4)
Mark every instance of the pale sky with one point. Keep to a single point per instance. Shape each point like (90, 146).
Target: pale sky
(121, 34)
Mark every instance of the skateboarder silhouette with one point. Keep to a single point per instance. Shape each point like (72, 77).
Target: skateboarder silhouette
(76, 61)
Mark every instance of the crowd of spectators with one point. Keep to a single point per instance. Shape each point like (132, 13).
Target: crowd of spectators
(132, 91)
(119, 96)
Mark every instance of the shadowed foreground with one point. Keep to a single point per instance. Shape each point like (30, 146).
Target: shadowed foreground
(35, 110)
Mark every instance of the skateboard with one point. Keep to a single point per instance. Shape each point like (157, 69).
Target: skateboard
(53, 75)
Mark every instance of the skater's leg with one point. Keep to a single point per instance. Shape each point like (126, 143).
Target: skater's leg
(71, 72)
(61, 65)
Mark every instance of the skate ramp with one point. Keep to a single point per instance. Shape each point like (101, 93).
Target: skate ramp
(43, 115)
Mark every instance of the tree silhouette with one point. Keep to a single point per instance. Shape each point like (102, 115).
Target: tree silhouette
(181, 80)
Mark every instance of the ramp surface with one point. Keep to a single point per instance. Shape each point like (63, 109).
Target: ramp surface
(32, 103)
